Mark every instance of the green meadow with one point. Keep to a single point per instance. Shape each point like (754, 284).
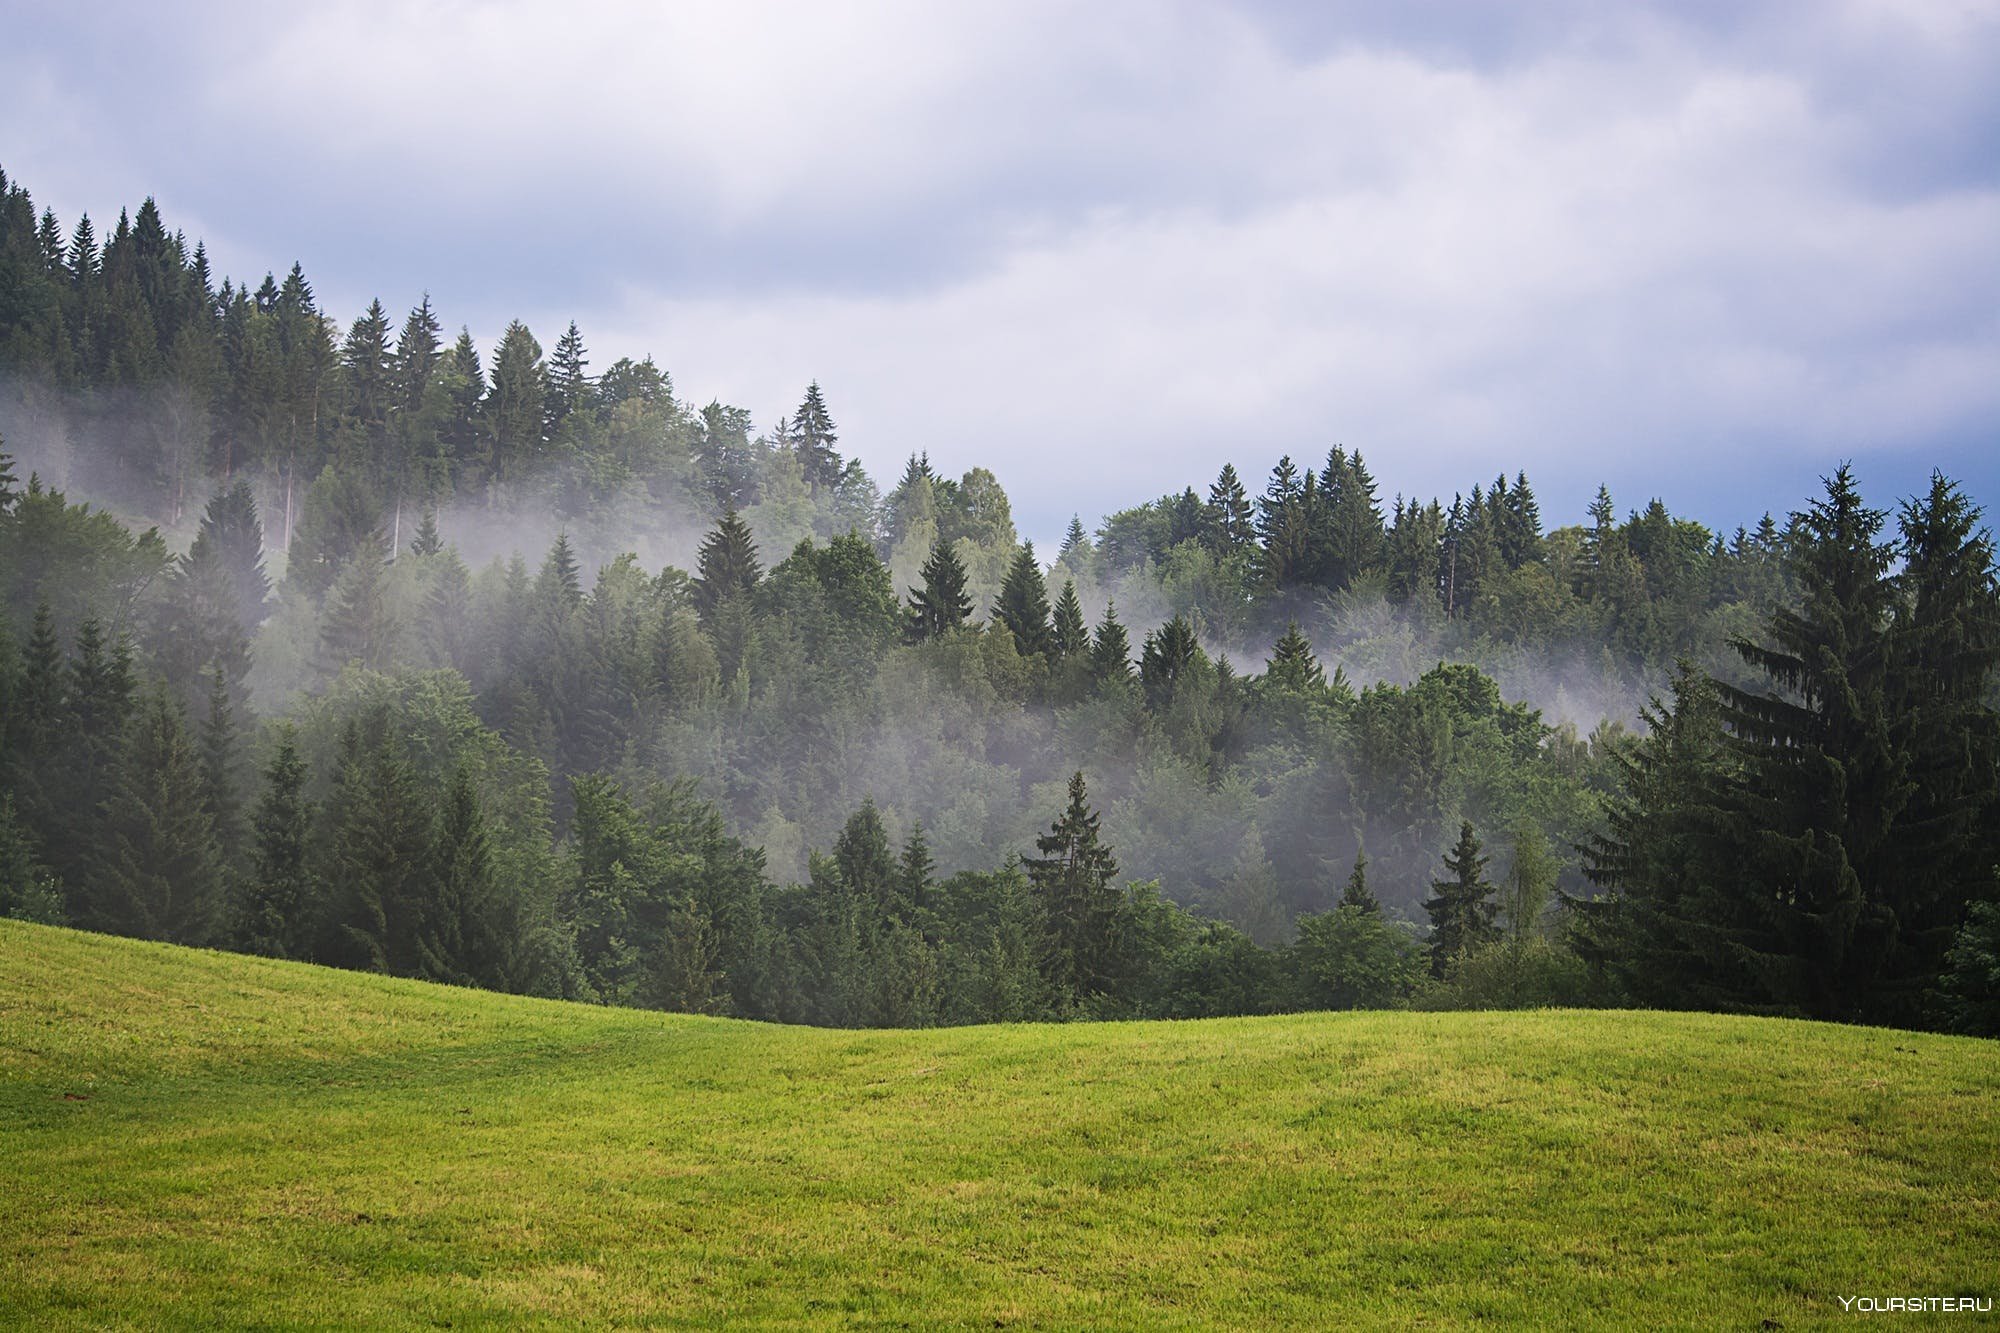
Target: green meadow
(192, 1139)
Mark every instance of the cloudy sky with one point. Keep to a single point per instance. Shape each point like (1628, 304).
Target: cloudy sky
(1704, 250)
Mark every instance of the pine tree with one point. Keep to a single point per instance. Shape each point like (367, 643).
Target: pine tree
(1944, 651)
(515, 409)
(569, 384)
(1292, 667)
(1110, 650)
(1023, 605)
(155, 873)
(428, 541)
(379, 860)
(1357, 894)
(273, 919)
(1462, 910)
(727, 570)
(220, 791)
(941, 605)
(1235, 527)
(1823, 781)
(359, 625)
(1170, 655)
(1076, 542)
(230, 526)
(813, 440)
(867, 866)
(460, 933)
(1069, 637)
(1073, 880)
(916, 872)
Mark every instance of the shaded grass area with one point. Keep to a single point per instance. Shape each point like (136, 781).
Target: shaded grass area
(191, 1139)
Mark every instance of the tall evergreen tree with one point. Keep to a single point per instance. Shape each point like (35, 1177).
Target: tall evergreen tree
(727, 567)
(1073, 880)
(942, 604)
(813, 440)
(1069, 637)
(155, 873)
(1462, 908)
(1023, 605)
(1110, 650)
(1234, 522)
(274, 917)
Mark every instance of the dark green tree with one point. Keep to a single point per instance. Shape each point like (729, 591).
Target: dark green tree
(275, 915)
(1462, 907)
(156, 874)
(1023, 605)
(1072, 878)
(942, 604)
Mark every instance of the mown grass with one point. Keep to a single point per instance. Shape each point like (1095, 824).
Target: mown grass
(191, 1139)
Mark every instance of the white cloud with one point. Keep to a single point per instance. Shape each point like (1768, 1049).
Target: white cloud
(1116, 244)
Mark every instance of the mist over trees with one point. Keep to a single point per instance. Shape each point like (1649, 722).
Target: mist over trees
(486, 668)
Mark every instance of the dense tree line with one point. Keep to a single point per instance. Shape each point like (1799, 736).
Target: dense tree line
(810, 773)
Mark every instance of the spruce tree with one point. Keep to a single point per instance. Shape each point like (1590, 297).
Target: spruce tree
(813, 440)
(1235, 527)
(155, 872)
(1462, 909)
(1023, 605)
(1069, 637)
(569, 387)
(1292, 667)
(1807, 828)
(380, 860)
(1110, 650)
(1076, 542)
(1170, 656)
(358, 625)
(726, 568)
(916, 872)
(1357, 894)
(942, 604)
(1073, 880)
(459, 938)
(867, 865)
(428, 541)
(274, 917)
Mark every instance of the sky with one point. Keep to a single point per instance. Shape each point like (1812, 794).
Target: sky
(1705, 251)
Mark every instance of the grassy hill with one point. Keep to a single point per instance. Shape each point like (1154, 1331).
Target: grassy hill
(190, 1138)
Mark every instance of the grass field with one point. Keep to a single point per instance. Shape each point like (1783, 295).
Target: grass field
(194, 1139)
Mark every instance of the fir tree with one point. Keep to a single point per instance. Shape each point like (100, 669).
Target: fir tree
(1110, 650)
(155, 872)
(727, 568)
(359, 623)
(1234, 524)
(459, 936)
(1076, 542)
(1069, 637)
(916, 872)
(569, 385)
(1073, 879)
(1357, 894)
(1462, 909)
(942, 604)
(1023, 605)
(1169, 657)
(428, 541)
(813, 440)
(273, 917)
(1293, 667)
(866, 864)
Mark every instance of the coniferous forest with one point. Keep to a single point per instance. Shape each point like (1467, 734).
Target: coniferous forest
(367, 645)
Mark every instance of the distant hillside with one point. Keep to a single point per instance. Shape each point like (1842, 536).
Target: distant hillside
(197, 1139)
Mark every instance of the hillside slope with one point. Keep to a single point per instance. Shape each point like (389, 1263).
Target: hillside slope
(194, 1138)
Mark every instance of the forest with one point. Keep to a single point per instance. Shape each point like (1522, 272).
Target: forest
(370, 647)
